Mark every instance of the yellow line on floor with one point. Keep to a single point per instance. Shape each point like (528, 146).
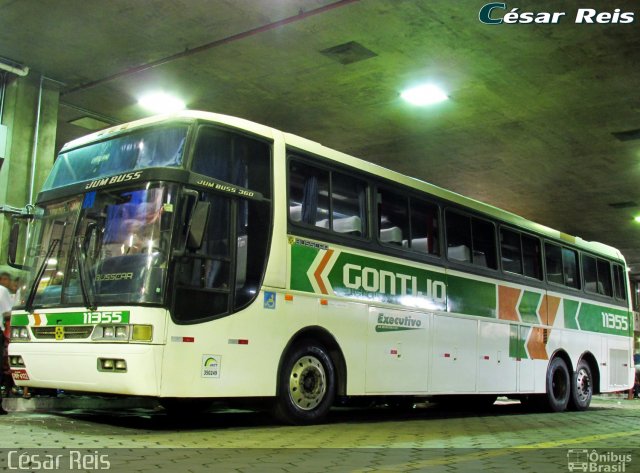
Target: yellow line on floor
(498, 452)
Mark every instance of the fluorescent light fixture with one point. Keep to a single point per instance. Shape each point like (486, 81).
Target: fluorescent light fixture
(425, 94)
(160, 102)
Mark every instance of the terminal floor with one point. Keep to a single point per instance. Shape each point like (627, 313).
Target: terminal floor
(505, 437)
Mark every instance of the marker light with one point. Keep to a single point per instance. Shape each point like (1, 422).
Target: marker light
(160, 102)
(426, 94)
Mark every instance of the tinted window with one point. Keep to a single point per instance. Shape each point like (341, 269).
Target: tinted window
(562, 265)
(553, 258)
(327, 199)
(511, 251)
(150, 147)
(408, 222)
(532, 257)
(393, 219)
(458, 237)
(471, 240)
(225, 272)
(570, 267)
(619, 277)
(233, 158)
(425, 227)
(590, 274)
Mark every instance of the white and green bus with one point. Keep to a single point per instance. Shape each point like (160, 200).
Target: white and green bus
(200, 256)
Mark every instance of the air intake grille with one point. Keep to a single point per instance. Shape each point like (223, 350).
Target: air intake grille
(72, 332)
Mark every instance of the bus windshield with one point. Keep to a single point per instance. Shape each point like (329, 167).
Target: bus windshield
(156, 147)
(107, 247)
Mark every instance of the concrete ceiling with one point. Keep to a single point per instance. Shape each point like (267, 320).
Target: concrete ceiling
(528, 127)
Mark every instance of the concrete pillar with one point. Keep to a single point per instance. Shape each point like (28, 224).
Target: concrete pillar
(20, 116)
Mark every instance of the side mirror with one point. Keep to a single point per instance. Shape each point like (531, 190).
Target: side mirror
(198, 225)
(17, 240)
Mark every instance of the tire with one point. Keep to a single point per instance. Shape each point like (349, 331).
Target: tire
(558, 386)
(306, 388)
(581, 387)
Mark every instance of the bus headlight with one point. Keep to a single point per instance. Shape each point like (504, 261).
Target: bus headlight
(123, 333)
(19, 334)
(142, 333)
(111, 333)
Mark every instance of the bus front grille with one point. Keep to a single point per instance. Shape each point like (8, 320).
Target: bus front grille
(71, 332)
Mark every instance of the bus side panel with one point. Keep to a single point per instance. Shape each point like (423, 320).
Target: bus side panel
(237, 355)
(347, 323)
(398, 343)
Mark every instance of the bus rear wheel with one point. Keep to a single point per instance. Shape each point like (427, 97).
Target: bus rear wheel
(582, 387)
(306, 388)
(558, 385)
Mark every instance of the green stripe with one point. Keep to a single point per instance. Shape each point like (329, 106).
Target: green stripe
(468, 296)
(529, 307)
(76, 318)
(517, 339)
(600, 319)
(19, 319)
(301, 259)
(570, 311)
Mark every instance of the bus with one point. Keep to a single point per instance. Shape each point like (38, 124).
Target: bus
(200, 256)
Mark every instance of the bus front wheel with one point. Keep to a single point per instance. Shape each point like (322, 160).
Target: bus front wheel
(306, 388)
(558, 385)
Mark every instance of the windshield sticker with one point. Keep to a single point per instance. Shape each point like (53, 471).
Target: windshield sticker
(211, 366)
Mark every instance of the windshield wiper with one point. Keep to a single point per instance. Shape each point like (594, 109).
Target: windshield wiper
(87, 296)
(32, 293)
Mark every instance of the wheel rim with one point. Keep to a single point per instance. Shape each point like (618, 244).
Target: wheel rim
(307, 383)
(559, 385)
(583, 385)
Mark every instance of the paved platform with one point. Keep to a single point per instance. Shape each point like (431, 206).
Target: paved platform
(505, 437)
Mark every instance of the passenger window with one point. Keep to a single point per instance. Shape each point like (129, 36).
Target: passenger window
(484, 243)
(425, 227)
(590, 273)
(532, 257)
(327, 199)
(570, 267)
(393, 219)
(471, 240)
(604, 278)
(309, 195)
(511, 251)
(620, 279)
(553, 257)
(562, 265)
(348, 204)
(458, 237)
(408, 223)
(597, 276)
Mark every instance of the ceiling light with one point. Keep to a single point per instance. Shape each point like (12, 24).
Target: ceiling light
(426, 94)
(160, 102)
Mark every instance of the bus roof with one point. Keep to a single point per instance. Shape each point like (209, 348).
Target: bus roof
(351, 161)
